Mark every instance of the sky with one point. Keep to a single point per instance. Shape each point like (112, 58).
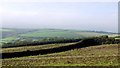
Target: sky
(94, 15)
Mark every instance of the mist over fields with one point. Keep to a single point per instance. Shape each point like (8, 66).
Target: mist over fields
(98, 16)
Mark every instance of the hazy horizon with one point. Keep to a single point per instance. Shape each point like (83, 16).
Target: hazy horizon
(98, 16)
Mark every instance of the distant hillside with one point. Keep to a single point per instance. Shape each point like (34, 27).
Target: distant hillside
(45, 33)
(11, 34)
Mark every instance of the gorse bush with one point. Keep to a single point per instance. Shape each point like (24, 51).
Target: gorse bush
(100, 40)
(106, 40)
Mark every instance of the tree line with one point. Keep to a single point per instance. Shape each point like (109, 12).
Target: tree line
(91, 40)
(19, 43)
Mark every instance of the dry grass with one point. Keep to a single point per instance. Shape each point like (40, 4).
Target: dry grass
(110, 49)
(32, 48)
(109, 58)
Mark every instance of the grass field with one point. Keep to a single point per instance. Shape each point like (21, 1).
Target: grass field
(12, 34)
(72, 61)
(101, 55)
(9, 38)
(5, 40)
(61, 33)
(110, 49)
(32, 48)
(5, 30)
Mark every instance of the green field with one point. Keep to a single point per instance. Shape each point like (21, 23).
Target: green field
(9, 38)
(13, 34)
(5, 40)
(5, 30)
(7, 34)
(61, 33)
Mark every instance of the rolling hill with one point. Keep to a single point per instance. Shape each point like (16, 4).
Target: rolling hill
(12, 34)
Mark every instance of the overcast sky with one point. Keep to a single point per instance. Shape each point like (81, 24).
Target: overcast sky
(100, 16)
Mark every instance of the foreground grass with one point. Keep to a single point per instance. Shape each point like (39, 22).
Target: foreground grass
(99, 64)
(79, 61)
(109, 49)
(90, 56)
